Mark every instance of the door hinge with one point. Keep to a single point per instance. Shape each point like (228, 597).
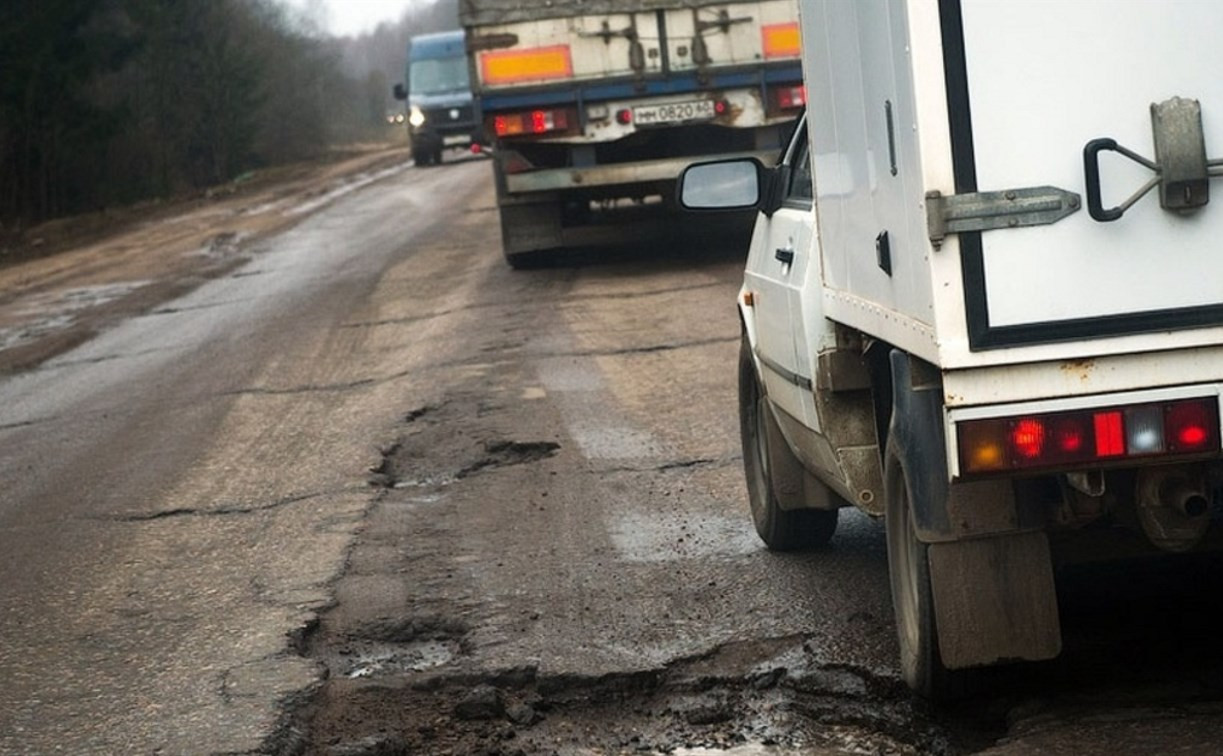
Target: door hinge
(986, 211)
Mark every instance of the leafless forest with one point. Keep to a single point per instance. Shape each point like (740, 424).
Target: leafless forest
(109, 102)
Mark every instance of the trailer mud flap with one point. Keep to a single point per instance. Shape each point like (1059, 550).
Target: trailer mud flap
(994, 600)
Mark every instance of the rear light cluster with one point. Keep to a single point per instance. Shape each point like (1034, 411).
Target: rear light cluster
(531, 122)
(1060, 439)
(790, 98)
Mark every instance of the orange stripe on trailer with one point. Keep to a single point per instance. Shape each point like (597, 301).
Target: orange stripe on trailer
(535, 64)
(781, 40)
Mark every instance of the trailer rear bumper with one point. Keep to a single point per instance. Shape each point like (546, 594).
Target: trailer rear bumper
(645, 171)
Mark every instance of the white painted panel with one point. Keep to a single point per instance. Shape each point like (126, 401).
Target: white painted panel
(857, 59)
(739, 43)
(1044, 79)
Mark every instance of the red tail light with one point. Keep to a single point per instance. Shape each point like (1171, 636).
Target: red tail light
(1028, 438)
(790, 98)
(1063, 439)
(531, 122)
(1190, 426)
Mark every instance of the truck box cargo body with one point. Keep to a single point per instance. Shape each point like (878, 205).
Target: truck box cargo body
(1068, 305)
(589, 103)
(994, 313)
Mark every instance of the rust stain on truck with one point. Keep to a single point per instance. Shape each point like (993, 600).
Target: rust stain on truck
(1081, 369)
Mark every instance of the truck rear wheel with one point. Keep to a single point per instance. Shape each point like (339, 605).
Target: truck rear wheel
(767, 463)
(912, 597)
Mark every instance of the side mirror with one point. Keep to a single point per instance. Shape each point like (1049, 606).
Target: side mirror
(399, 92)
(722, 185)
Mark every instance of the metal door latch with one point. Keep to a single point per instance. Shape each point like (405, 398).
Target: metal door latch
(1181, 169)
(986, 211)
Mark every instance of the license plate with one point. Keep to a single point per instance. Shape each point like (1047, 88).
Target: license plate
(460, 139)
(676, 112)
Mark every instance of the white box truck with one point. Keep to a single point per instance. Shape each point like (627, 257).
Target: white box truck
(984, 300)
(591, 104)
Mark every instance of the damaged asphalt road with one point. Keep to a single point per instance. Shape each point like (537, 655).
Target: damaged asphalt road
(372, 492)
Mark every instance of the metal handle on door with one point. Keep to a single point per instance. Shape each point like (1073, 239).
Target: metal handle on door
(786, 255)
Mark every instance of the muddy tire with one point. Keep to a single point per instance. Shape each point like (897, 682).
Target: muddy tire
(912, 597)
(767, 463)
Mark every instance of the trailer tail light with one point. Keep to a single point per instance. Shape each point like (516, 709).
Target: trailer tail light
(781, 40)
(524, 66)
(792, 97)
(531, 122)
(1068, 439)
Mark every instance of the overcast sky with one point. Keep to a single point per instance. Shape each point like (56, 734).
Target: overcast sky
(351, 17)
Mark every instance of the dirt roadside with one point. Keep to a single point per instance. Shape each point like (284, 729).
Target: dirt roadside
(64, 281)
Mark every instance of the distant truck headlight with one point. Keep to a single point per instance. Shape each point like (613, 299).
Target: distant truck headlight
(417, 117)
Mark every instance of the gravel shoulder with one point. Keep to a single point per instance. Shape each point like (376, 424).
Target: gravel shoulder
(65, 281)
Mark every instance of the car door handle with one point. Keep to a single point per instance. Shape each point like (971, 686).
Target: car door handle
(785, 254)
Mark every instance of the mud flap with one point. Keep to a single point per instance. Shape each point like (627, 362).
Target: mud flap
(994, 600)
(531, 227)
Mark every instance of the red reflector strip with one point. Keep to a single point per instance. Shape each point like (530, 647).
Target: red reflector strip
(1110, 434)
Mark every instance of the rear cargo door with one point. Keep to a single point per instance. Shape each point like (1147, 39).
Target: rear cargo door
(1030, 85)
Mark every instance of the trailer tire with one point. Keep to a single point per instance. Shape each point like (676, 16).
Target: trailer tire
(912, 596)
(766, 461)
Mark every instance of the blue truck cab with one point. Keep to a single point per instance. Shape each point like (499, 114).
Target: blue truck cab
(441, 110)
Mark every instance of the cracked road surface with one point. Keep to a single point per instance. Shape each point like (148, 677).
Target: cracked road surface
(372, 492)
(179, 492)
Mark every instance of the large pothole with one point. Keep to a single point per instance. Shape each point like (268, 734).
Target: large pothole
(761, 697)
